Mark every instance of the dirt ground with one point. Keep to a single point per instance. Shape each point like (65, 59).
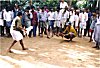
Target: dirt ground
(49, 53)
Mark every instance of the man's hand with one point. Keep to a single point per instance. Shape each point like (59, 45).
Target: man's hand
(61, 34)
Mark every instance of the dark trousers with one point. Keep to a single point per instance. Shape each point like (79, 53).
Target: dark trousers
(39, 29)
(58, 30)
(91, 35)
(69, 36)
(87, 27)
(8, 24)
(2, 30)
(33, 30)
(98, 45)
(7, 31)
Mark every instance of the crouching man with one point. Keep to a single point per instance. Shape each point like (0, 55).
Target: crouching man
(69, 32)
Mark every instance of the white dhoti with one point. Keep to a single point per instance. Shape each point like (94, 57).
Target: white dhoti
(57, 23)
(83, 25)
(16, 35)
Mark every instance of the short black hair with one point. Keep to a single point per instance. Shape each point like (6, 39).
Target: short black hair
(28, 8)
(32, 7)
(42, 8)
(19, 14)
(69, 23)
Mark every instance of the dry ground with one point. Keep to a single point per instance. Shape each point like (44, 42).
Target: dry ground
(49, 53)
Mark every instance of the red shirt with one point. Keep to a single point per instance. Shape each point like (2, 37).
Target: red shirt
(34, 19)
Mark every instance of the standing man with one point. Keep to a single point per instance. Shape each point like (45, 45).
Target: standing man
(34, 22)
(97, 33)
(1, 23)
(87, 23)
(51, 19)
(16, 10)
(38, 16)
(43, 22)
(8, 16)
(63, 4)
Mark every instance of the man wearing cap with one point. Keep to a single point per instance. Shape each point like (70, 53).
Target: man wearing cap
(69, 32)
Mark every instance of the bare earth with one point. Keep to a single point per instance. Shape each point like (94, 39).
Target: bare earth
(49, 53)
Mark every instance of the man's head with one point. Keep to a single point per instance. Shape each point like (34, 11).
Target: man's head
(38, 8)
(19, 14)
(62, 0)
(69, 24)
(94, 14)
(32, 7)
(42, 9)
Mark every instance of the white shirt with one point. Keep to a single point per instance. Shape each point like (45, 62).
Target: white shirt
(31, 16)
(4, 11)
(1, 15)
(86, 16)
(38, 15)
(98, 20)
(43, 16)
(76, 20)
(51, 15)
(1, 21)
(81, 17)
(8, 16)
(62, 5)
(66, 15)
(58, 15)
(72, 18)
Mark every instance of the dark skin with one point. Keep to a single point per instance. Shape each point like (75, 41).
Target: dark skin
(62, 34)
(69, 30)
(21, 43)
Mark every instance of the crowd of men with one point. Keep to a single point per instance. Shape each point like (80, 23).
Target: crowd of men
(62, 21)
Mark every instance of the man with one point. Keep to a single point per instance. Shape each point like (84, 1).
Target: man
(43, 22)
(27, 18)
(97, 33)
(63, 4)
(8, 16)
(87, 23)
(51, 17)
(38, 16)
(69, 32)
(15, 33)
(34, 22)
(92, 26)
(1, 23)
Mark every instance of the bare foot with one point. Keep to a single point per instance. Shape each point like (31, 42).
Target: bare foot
(10, 51)
(25, 48)
(48, 37)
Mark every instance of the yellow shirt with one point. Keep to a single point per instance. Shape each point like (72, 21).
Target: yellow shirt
(70, 30)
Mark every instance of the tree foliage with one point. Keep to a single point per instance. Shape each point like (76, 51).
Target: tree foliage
(53, 3)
